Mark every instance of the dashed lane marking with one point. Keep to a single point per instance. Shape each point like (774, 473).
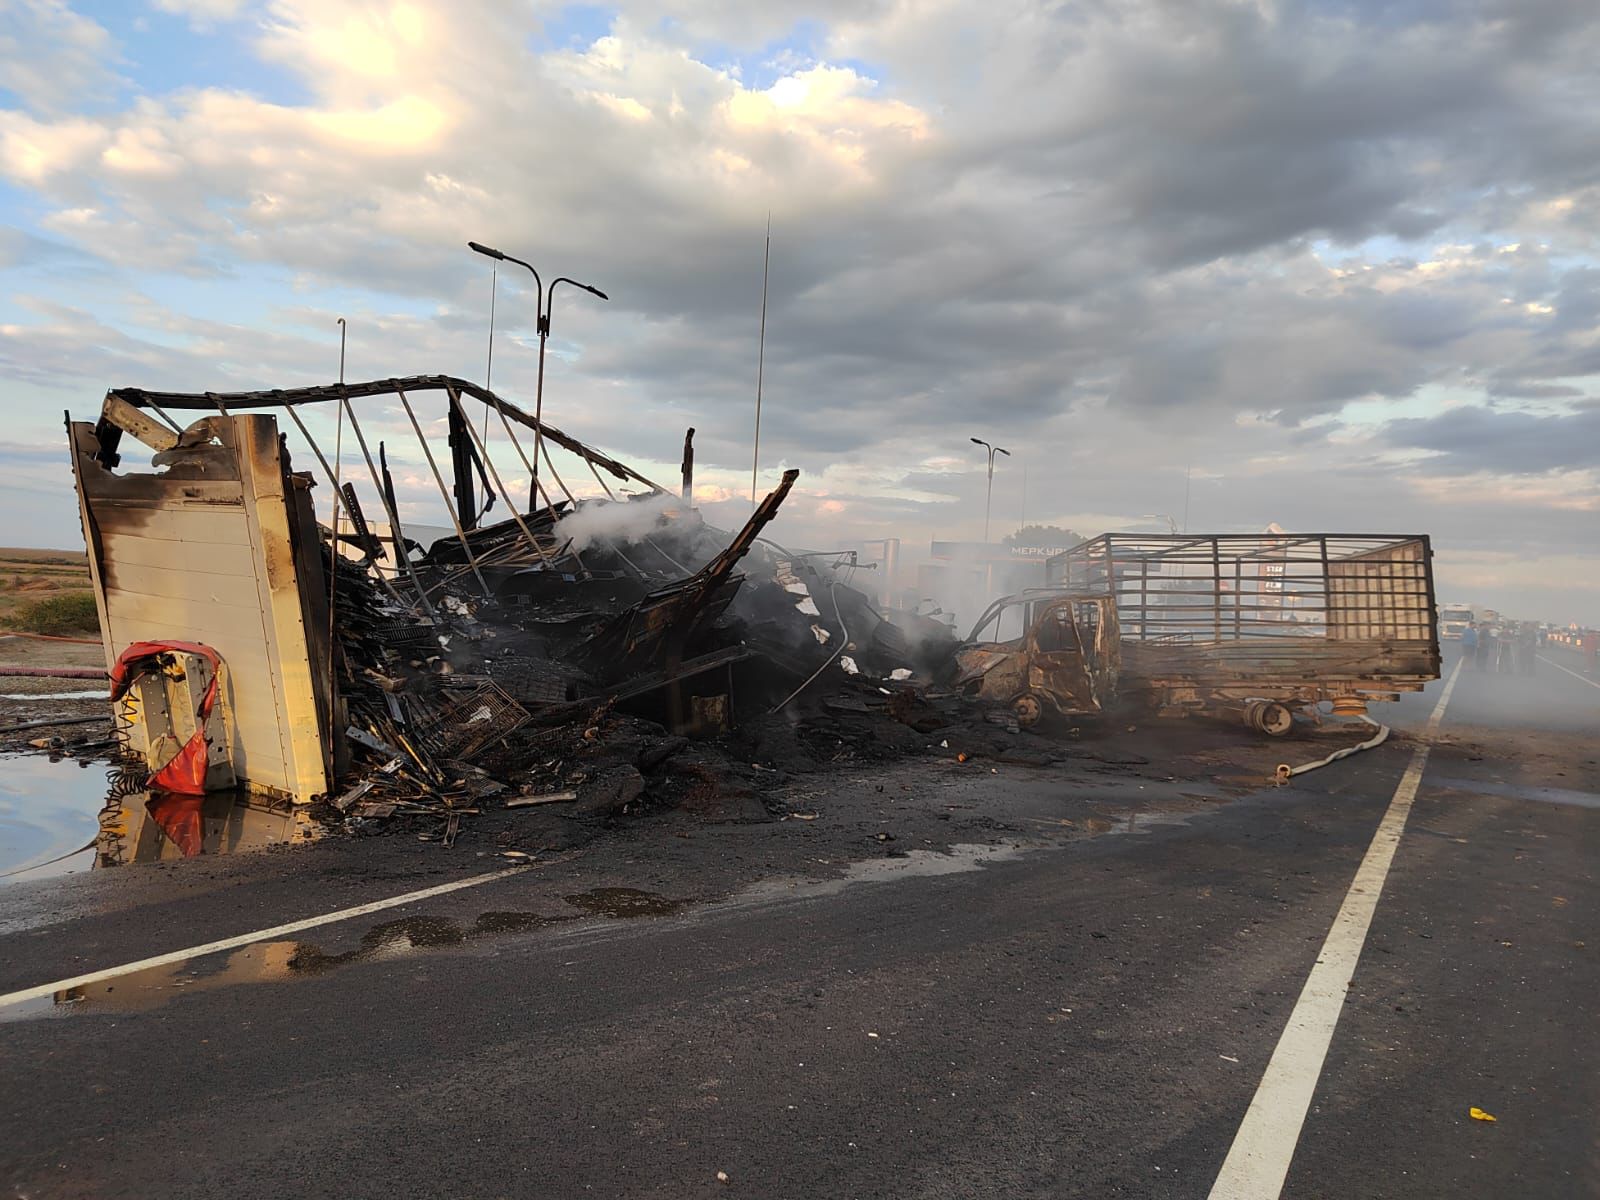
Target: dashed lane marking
(1258, 1161)
(260, 935)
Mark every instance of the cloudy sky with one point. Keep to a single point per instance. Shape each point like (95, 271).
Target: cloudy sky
(1335, 261)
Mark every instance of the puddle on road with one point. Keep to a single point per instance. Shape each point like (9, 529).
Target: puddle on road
(624, 902)
(1134, 822)
(1131, 822)
(56, 818)
(395, 939)
(286, 961)
(962, 857)
(268, 962)
(47, 812)
(152, 827)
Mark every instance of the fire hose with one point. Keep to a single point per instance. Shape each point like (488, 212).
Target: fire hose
(844, 641)
(1285, 772)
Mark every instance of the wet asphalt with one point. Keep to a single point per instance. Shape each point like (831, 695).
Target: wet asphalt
(1050, 982)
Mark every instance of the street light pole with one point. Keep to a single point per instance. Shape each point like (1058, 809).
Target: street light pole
(988, 495)
(538, 395)
(543, 299)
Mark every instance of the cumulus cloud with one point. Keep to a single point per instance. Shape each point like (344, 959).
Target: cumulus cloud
(51, 56)
(1484, 439)
(1268, 243)
(203, 14)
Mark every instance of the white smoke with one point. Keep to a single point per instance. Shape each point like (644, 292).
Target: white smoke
(622, 521)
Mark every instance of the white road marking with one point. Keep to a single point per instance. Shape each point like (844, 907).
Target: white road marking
(1258, 1161)
(245, 939)
(1574, 674)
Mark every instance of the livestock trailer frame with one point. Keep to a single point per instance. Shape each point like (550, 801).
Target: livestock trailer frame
(1220, 620)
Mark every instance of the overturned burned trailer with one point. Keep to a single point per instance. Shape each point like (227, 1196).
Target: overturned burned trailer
(1263, 624)
(344, 659)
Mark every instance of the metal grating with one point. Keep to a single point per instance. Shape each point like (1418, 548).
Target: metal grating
(1221, 588)
(470, 719)
(403, 634)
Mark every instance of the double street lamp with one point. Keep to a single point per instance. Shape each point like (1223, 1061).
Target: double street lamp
(543, 298)
(989, 494)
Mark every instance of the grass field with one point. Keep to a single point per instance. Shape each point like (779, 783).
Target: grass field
(45, 586)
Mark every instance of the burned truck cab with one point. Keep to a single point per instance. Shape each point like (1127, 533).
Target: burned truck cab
(1064, 659)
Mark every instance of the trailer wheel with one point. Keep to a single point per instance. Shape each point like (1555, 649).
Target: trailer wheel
(1269, 717)
(1027, 708)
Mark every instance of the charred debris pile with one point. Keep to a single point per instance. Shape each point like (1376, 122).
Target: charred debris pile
(607, 654)
(660, 662)
(614, 653)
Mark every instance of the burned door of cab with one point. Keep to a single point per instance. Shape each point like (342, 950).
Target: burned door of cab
(1072, 658)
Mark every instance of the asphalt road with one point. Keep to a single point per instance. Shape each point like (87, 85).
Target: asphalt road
(1081, 1004)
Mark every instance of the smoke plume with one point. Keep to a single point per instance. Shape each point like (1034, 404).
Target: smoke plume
(622, 521)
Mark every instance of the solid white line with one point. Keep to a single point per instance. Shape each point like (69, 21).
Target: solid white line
(1574, 674)
(245, 939)
(1258, 1161)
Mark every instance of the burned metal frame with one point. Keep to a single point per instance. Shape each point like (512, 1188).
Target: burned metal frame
(1294, 617)
(548, 654)
(385, 493)
(121, 413)
(1226, 587)
(444, 492)
(109, 434)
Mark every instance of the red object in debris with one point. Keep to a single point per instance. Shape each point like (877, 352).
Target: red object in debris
(186, 773)
(178, 814)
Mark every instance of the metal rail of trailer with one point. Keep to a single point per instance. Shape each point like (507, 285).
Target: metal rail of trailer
(1226, 621)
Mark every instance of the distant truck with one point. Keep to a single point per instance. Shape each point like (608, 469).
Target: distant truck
(1453, 621)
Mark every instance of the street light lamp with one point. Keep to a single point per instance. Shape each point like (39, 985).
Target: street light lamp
(989, 494)
(543, 299)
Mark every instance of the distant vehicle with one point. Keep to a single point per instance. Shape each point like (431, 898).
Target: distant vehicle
(1453, 621)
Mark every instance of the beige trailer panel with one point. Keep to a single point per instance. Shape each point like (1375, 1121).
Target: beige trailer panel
(215, 547)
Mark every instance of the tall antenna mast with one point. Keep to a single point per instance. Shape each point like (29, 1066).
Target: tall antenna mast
(761, 357)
